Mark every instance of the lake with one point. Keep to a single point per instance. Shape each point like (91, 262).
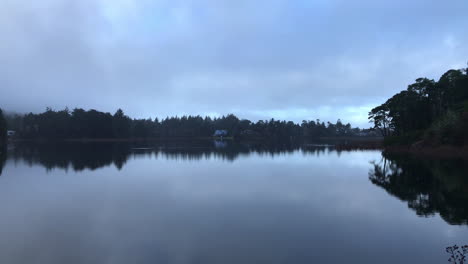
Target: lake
(220, 202)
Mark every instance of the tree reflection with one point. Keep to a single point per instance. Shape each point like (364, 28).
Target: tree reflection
(428, 186)
(3, 157)
(71, 155)
(80, 156)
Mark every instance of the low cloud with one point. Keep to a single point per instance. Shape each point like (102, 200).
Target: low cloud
(257, 59)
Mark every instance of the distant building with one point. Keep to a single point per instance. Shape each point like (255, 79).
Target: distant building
(11, 133)
(220, 133)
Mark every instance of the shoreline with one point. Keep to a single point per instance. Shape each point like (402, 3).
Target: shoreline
(341, 141)
(433, 152)
(108, 140)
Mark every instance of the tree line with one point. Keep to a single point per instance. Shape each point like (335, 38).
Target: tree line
(434, 111)
(79, 123)
(3, 129)
(3, 138)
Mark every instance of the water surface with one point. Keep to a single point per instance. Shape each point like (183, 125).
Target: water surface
(227, 203)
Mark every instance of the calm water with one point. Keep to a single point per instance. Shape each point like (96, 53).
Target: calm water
(224, 203)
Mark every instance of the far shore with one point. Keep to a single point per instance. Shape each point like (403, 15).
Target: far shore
(85, 140)
(339, 141)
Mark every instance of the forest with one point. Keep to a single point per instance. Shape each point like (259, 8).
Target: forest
(93, 124)
(3, 129)
(428, 111)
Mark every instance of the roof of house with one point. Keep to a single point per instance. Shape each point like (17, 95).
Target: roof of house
(220, 132)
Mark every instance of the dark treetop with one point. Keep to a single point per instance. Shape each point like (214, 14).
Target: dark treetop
(434, 111)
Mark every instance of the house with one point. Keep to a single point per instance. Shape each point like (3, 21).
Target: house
(11, 133)
(220, 133)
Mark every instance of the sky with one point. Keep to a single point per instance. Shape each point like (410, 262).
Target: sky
(294, 60)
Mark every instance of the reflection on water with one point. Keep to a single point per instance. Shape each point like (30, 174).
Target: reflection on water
(3, 157)
(80, 156)
(428, 186)
(219, 202)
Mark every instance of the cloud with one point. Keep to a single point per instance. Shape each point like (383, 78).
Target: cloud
(259, 59)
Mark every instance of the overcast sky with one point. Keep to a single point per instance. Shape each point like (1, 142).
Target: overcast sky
(258, 59)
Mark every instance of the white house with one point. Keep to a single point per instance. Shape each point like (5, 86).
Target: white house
(220, 133)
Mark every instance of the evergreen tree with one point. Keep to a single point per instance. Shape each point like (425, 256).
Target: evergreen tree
(3, 129)
(435, 111)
